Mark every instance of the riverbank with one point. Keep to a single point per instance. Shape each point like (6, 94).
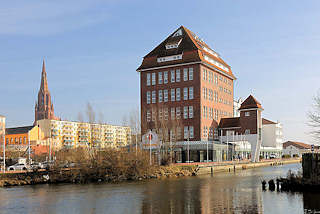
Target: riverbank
(96, 174)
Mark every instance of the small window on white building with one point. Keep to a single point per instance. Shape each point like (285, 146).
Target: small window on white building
(247, 114)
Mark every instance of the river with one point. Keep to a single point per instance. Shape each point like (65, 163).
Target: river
(238, 192)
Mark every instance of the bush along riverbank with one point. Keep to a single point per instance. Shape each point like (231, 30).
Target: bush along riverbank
(102, 166)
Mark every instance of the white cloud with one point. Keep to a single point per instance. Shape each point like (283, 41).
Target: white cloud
(48, 17)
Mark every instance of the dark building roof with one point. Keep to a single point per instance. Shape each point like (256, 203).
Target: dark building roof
(192, 47)
(18, 130)
(298, 145)
(229, 122)
(249, 103)
(265, 121)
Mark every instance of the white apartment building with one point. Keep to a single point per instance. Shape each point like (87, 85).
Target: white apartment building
(272, 138)
(69, 134)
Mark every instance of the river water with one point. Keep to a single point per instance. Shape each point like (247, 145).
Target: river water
(238, 192)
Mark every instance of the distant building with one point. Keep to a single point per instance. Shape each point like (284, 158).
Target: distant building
(247, 127)
(68, 134)
(296, 149)
(44, 107)
(236, 106)
(18, 139)
(272, 138)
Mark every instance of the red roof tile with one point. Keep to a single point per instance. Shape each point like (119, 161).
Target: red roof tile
(298, 145)
(265, 121)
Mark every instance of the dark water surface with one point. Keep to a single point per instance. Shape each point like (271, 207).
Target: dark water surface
(222, 193)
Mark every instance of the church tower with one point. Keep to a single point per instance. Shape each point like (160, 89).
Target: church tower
(44, 107)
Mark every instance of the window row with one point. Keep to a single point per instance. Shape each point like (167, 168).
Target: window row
(175, 95)
(175, 113)
(210, 132)
(175, 76)
(213, 77)
(16, 140)
(188, 132)
(213, 114)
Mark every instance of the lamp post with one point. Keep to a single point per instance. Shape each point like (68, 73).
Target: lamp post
(29, 148)
(207, 149)
(188, 148)
(150, 136)
(4, 151)
(227, 146)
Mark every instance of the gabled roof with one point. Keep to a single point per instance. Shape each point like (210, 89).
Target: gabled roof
(266, 122)
(230, 122)
(298, 145)
(18, 130)
(249, 103)
(191, 46)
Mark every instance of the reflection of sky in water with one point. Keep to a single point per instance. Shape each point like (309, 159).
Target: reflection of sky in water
(221, 193)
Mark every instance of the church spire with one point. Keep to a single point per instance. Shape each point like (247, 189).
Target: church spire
(44, 82)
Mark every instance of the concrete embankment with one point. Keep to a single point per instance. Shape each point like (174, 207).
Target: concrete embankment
(230, 167)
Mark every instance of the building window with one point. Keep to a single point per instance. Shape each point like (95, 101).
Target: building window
(191, 132)
(185, 74)
(173, 113)
(178, 113)
(160, 114)
(173, 76)
(247, 131)
(165, 77)
(148, 116)
(148, 79)
(24, 140)
(215, 96)
(173, 95)
(153, 116)
(247, 114)
(148, 97)
(185, 112)
(153, 78)
(165, 95)
(190, 93)
(190, 111)
(178, 75)
(178, 94)
(186, 132)
(160, 96)
(166, 114)
(185, 93)
(154, 97)
(160, 77)
(179, 132)
(204, 74)
(190, 73)
(216, 79)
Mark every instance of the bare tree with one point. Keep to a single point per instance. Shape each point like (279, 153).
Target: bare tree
(135, 124)
(314, 118)
(90, 113)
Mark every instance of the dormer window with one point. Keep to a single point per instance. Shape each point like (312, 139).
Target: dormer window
(247, 114)
(171, 45)
(178, 33)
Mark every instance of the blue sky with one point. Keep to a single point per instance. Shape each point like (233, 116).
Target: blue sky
(92, 49)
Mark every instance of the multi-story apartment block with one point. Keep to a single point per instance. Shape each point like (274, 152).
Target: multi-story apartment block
(186, 88)
(68, 134)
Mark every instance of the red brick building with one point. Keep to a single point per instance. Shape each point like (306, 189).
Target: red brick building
(185, 88)
(44, 107)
